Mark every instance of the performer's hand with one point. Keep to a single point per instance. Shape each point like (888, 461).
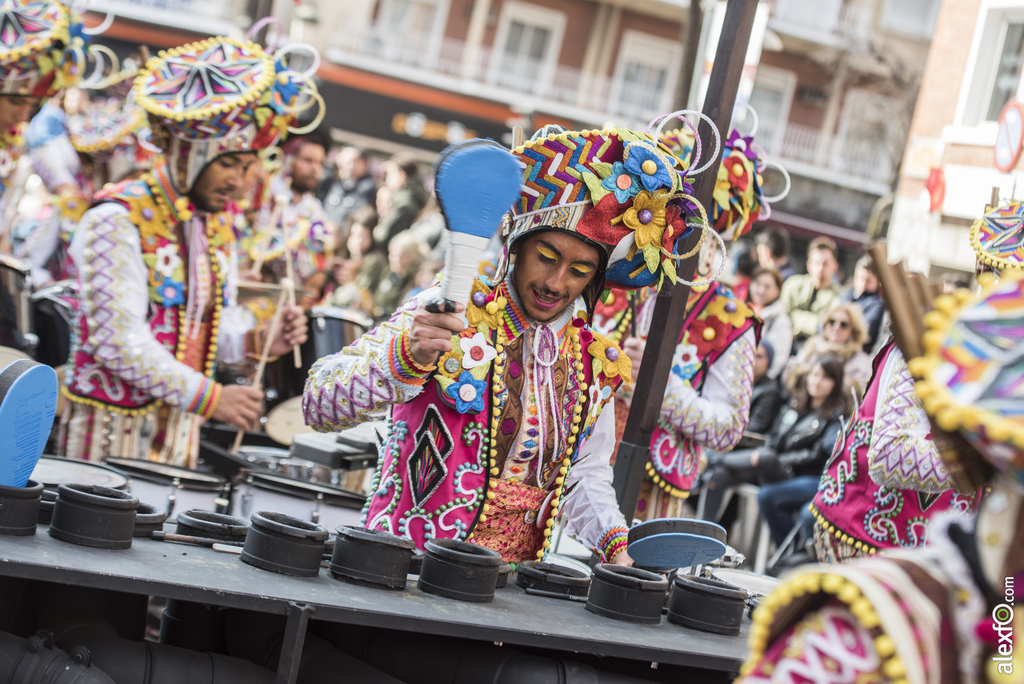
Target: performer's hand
(755, 458)
(622, 558)
(431, 334)
(239, 405)
(250, 277)
(294, 330)
(634, 348)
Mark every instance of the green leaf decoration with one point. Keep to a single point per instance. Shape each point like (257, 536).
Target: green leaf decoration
(629, 136)
(597, 191)
(606, 295)
(652, 255)
(669, 270)
(602, 169)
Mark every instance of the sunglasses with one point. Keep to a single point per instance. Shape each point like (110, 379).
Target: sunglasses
(843, 325)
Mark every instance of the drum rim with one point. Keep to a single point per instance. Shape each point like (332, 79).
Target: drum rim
(192, 480)
(283, 485)
(79, 462)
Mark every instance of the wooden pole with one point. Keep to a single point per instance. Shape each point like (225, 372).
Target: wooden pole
(670, 307)
(290, 270)
(275, 324)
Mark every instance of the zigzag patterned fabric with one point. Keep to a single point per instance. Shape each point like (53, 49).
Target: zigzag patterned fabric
(997, 237)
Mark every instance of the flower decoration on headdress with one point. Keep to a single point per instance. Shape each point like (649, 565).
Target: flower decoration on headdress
(739, 199)
(652, 167)
(219, 96)
(622, 183)
(619, 189)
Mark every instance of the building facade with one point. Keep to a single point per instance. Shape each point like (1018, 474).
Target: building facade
(973, 70)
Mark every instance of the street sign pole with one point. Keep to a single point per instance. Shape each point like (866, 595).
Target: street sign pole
(670, 307)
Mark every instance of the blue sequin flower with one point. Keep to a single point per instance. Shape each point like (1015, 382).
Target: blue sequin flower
(622, 183)
(468, 393)
(171, 292)
(649, 166)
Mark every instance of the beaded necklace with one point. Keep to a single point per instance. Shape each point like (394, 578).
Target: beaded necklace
(513, 321)
(174, 209)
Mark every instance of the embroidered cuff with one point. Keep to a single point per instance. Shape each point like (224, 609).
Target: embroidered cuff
(205, 401)
(404, 366)
(612, 543)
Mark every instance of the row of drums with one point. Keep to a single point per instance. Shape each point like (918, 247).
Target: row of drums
(173, 489)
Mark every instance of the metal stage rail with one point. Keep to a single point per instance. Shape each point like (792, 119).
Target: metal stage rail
(203, 575)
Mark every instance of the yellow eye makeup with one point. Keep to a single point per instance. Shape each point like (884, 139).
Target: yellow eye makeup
(581, 269)
(547, 253)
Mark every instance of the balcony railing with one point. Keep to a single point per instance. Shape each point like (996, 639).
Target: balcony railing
(859, 158)
(511, 76)
(206, 16)
(824, 18)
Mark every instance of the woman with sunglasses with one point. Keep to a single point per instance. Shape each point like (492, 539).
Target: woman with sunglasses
(843, 332)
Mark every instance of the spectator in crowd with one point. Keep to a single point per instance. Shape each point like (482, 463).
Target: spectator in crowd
(809, 296)
(360, 275)
(766, 398)
(426, 276)
(405, 254)
(864, 293)
(772, 246)
(843, 332)
(765, 287)
(746, 264)
(798, 445)
(408, 196)
(349, 188)
(819, 406)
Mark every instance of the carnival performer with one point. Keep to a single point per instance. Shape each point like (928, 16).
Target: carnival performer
(96, 143)
(938, 613)
(38, 59)
(292, 224)
(707, 398)
(157, 264)
(495, 428)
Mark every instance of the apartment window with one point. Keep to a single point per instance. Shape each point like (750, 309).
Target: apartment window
(410, 31)
(1007, 70)
(994, 68)
(870, 134)
(771, 98)
(644, 81)
(911, 17)
(526, 46)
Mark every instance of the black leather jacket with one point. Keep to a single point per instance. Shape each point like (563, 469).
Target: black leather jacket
(765, 402)
(803, 443)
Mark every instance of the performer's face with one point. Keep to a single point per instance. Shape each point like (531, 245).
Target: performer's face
(308, 168)
(552, 270)
(221, 181)
(15, 109)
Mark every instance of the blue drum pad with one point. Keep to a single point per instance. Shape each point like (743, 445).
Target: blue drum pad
(28, 402)
(675, 543)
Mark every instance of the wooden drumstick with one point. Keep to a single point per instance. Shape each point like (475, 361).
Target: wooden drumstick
(290, 270)
(275, 324)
